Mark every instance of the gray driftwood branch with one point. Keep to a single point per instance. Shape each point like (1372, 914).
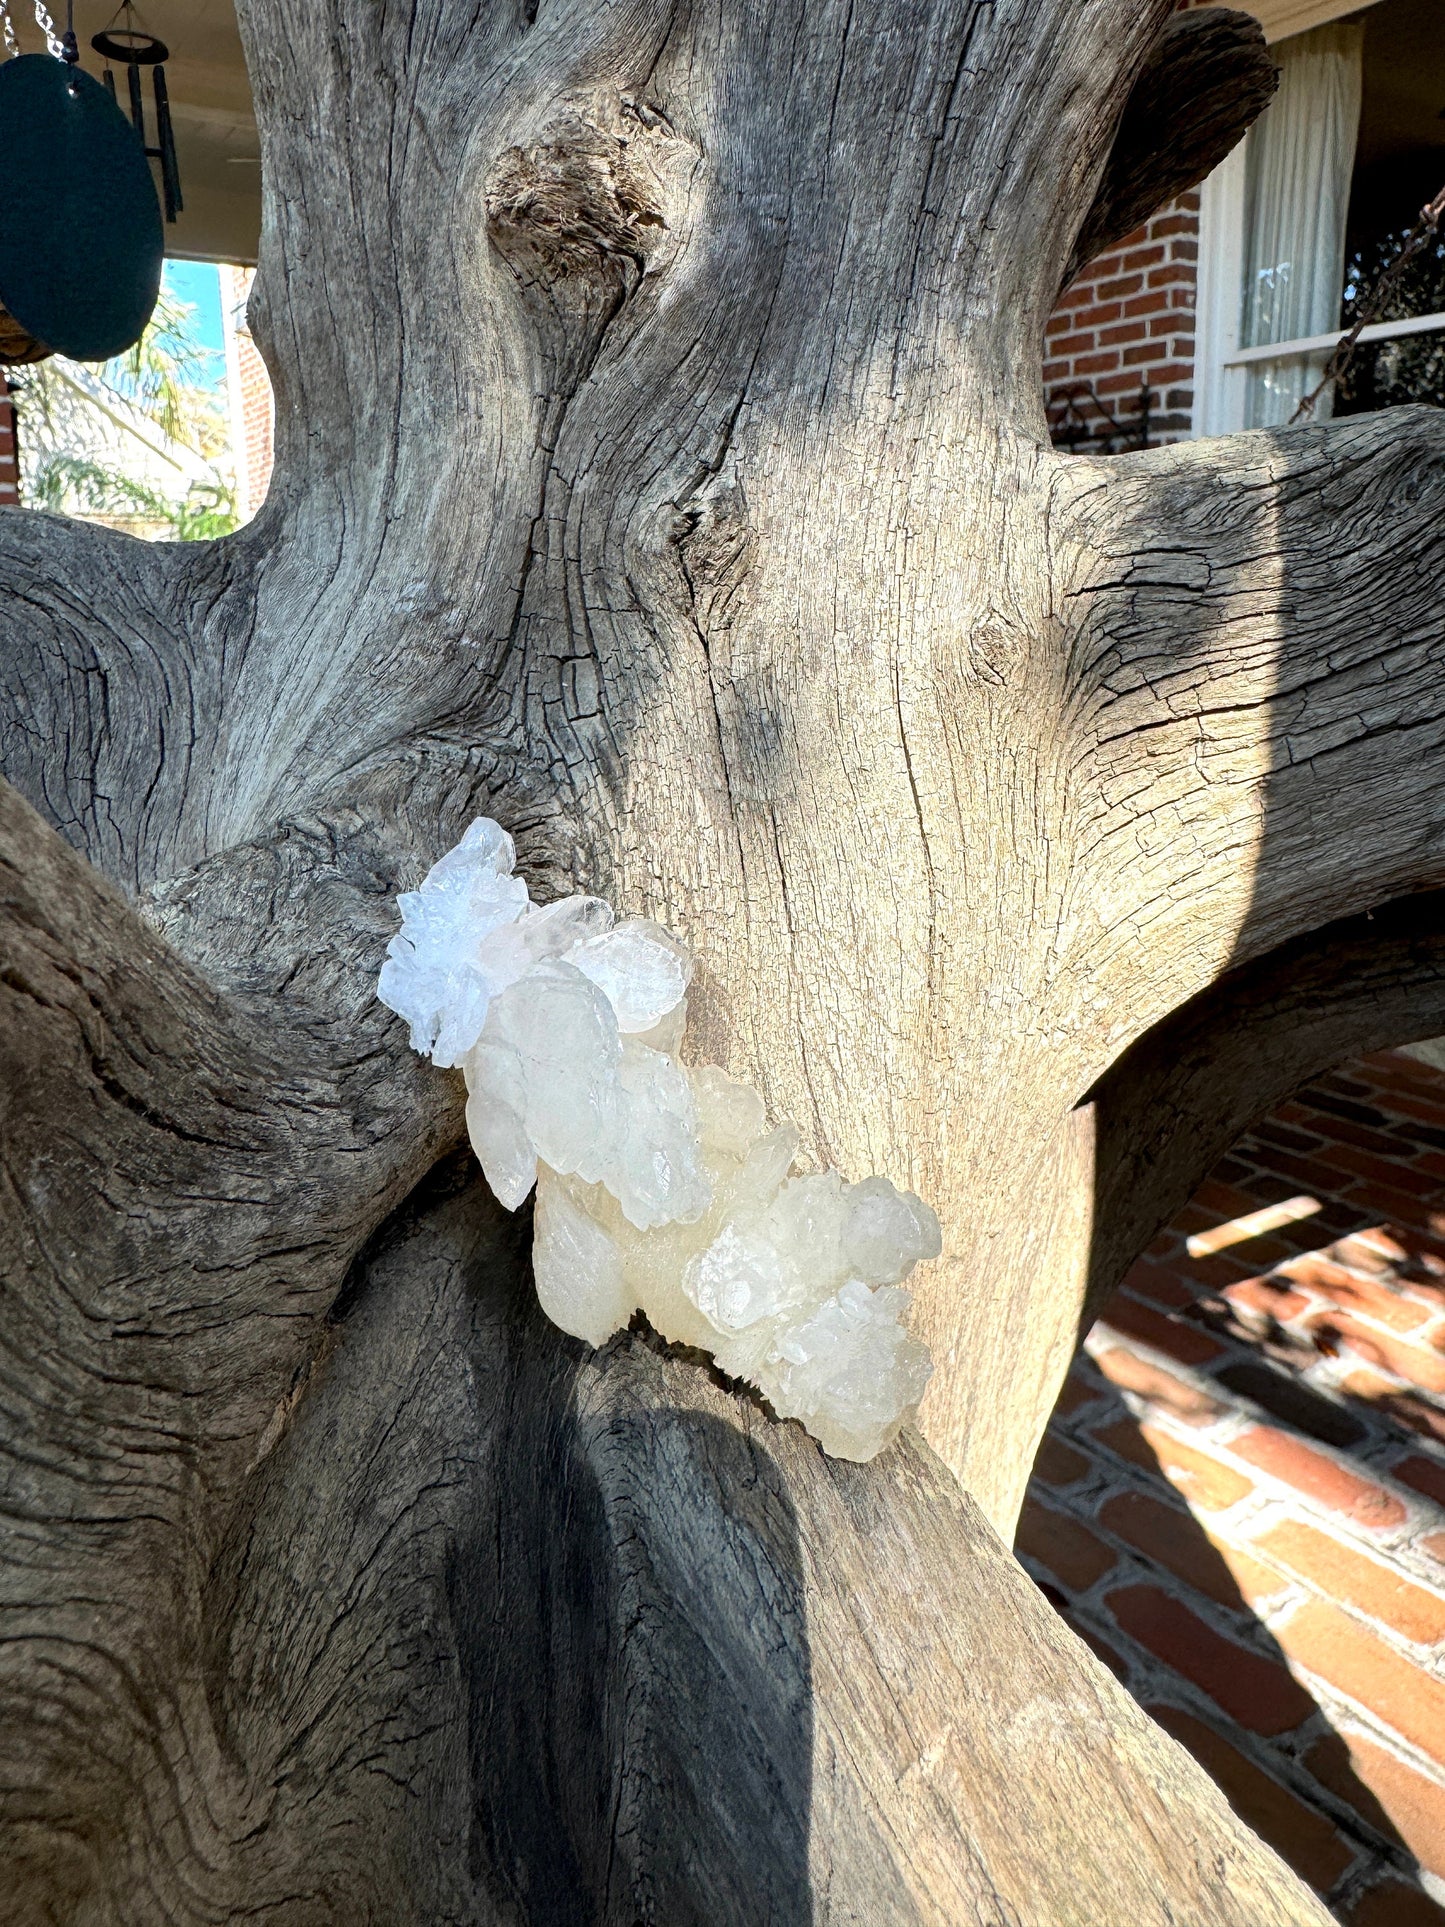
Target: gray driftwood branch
(662, 471)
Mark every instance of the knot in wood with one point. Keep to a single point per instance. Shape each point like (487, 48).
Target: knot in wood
(716, 546)
(590, 202)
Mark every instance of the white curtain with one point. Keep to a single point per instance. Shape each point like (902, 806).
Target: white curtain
(1297, 193)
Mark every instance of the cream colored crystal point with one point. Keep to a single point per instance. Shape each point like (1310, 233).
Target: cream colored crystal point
(659, 1187)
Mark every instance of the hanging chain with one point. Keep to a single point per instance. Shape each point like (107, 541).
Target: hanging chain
(1426, 227)
(46, 25)
(54, 44)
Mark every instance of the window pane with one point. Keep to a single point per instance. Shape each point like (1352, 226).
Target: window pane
(1298, 170)
(1400, 166)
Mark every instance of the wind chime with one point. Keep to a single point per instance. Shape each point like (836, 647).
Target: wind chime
(80, 225)
(132, 49)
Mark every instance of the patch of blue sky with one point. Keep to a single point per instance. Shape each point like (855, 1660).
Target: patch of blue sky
(198, 284)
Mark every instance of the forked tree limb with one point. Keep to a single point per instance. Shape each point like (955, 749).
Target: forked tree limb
(661, 470)
(93, 679)
(1258, 649)
(621, 672)
(1208, 78)
(689, 1668)
(1182, 1094)
(183, 1183)
(1249, 742)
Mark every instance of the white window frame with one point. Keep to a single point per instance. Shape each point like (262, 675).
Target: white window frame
(1415, 324)
(1218, 379)
(1219, 359)
(1282, 19)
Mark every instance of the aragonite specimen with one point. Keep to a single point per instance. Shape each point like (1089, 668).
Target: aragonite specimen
(658, 1186)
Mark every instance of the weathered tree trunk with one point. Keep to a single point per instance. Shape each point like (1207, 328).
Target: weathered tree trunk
(662, 471)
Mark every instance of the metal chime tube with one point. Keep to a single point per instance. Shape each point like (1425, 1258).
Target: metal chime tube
(166, 143)
(132, 49)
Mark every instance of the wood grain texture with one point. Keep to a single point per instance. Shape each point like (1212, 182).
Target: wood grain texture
(557, 1636)
(661, 470)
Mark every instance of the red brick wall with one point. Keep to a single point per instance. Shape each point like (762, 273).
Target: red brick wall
(1129, 320)
(1126, 322)
(1240, 1501)
(258, 415)
(253, 414)
(9, 455)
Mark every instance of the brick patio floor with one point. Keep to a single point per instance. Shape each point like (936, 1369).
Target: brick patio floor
(1240, 1501)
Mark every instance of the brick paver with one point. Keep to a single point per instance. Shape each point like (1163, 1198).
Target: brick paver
(1240, 1503)
(1298, 1832)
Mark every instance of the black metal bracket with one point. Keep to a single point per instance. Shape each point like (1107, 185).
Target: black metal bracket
(1078, 416)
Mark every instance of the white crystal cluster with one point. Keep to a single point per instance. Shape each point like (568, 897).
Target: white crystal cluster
(658, 1186)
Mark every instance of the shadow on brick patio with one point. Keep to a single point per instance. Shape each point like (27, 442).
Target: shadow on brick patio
(1240, 1502)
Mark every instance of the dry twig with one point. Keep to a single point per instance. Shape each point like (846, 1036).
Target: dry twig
(1425, 226)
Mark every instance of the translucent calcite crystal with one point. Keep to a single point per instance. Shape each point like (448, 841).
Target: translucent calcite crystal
(659, 1186)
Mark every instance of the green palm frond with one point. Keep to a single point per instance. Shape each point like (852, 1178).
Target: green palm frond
(73, 483)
